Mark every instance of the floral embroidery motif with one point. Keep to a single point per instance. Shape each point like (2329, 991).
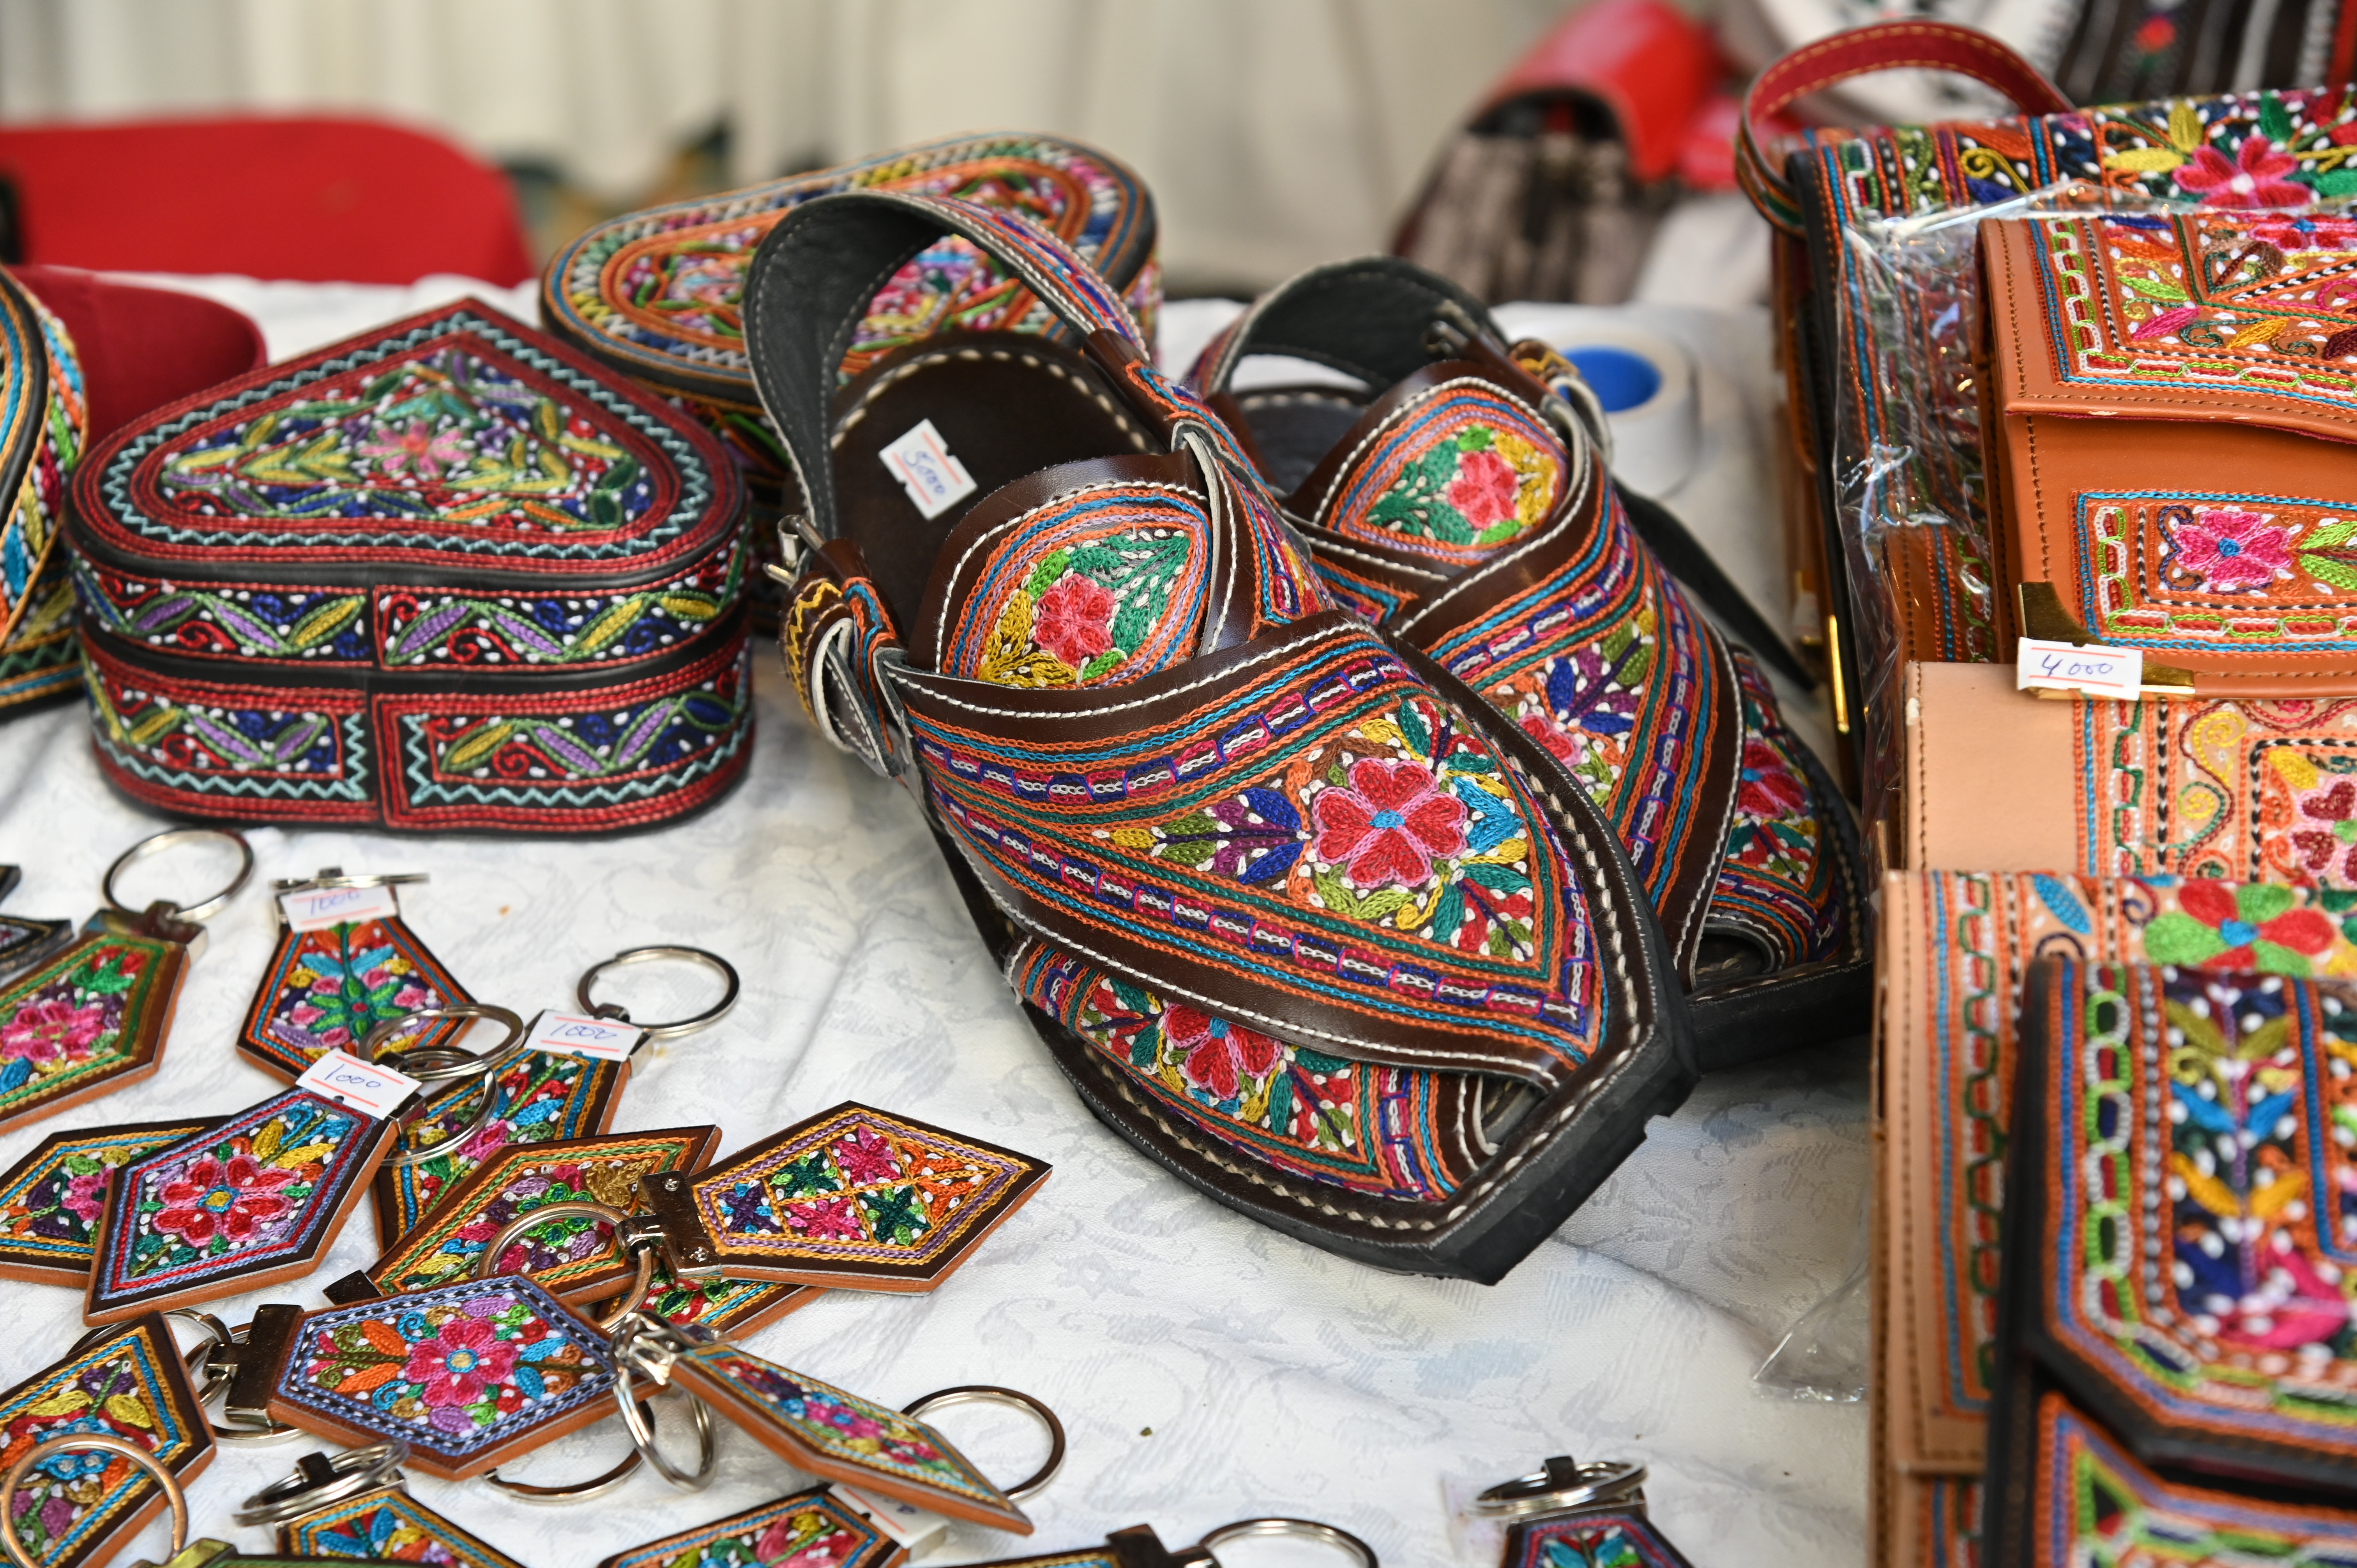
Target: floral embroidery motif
(541, 1097)
(1598, 1540)
(326, 990)
(2254, 925)
(50, 1201)
(2253, 178)
(858, 1187)
(388, 1526)
(1387, 827)
(809, 1530)
(454, 1371)
(130, 1386)
(89, 1015)
(1096, 587)
(1778, 884)
(259, 1190)
(444, 436)
(2227, 551)
(1456, 471)
(572, 1258)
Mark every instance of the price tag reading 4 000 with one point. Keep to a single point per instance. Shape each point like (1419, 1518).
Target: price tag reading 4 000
(374, 1091)
(574, 1035)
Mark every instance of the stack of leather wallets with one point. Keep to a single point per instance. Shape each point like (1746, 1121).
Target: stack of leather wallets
(2103, 691)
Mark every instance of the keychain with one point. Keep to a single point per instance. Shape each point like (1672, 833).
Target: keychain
(814, 1527)
(346, 962)
(720, 1304)
(24, 940)
(574, 1259)
(355, 1504)
(79, 1448)
(255, 1200)
(50, 1201)
(1569, 1513)
(565, 1085)
(125, 1385)
(91, 1019)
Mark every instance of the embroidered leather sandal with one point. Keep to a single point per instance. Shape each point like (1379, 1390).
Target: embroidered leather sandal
(1298, 915)
(1458, 499)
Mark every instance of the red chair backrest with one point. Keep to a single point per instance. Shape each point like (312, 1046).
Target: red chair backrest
(315, 199)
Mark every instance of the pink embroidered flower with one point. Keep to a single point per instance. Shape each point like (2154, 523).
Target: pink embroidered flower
(84, 1195)
(1075, 620)
(454, 1367)
(1548, 734)
(821, 1551)
(47, 1029)
(1769, 788)
(2254, 179)
(1216, 1052)
(226, 1197)
(2292, 1306)
(826, 1218)
(866, 1156)
(2288, 232)
(419, 450)
(1388, 825)
(2232, 550)
(1484, 489)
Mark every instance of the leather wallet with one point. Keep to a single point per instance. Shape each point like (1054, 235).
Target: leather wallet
(446, 574)
(1955, 948)
(2175, 1366)
(2249, 790)
(2168, 427)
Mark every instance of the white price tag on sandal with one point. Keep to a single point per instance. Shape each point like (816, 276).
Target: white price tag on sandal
(373, 1092)
(2116, 672)
(317, 909)
(573, 1035)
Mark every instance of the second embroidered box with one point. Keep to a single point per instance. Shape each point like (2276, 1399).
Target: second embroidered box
(448, 574)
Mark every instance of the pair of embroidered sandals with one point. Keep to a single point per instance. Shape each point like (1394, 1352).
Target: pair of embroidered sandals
(1378, 859)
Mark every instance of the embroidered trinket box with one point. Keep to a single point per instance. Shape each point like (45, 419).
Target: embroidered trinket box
(2173, 1352)
(448, 574)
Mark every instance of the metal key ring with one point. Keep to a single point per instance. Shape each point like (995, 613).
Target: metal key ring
(576, 1208)
(85, 1443)
(204, 908)
(704, 1020)
(580, 1491)
(441, 1064)
(991, 1393)
(642, 1423)
(199, 1363)
(322, 1478)
(1296, 1529)
(1561, 1487)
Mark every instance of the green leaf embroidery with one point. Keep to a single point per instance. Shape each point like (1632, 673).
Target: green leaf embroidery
(2275, 123)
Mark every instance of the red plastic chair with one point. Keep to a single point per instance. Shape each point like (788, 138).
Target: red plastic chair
(315, 200)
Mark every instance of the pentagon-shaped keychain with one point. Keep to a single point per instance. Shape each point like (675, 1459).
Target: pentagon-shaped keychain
(253, 1201)
(812, 1527)
(24, 940)
(823, 1430)
(51, 1199)
(356, 1505)
(574, 1257)
(853, 1197)
(65, 1505)
(468, 1375)
(564, 1086)
(346, 964)
(91, 1019)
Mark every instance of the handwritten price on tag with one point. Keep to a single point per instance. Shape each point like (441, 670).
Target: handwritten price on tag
(2116, 672)
(317, 908)
(573, 1035)
(371, 1090)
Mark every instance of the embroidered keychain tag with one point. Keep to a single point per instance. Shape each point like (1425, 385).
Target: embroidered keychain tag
(575, 1259)
(540, 1097)
(468, 1375)
(920, 461)
(80, 1505)
(51, 1199)
(720, 1304)
(819, 1428)
(812, 1527)
(356, 1504)
(851, 1198)
(253, 1201)
(24, 940)
(345, 963)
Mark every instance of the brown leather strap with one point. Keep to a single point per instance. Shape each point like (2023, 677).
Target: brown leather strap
(1862, 51)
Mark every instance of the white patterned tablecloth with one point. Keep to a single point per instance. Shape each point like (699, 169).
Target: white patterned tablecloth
(1207, 1370)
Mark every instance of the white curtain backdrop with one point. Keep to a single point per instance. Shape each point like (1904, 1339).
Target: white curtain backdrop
(1275, 133)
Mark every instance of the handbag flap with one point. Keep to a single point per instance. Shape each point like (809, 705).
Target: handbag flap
(453, 447)
(2185, 1213)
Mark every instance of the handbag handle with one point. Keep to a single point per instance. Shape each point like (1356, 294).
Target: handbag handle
(1862, 51)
